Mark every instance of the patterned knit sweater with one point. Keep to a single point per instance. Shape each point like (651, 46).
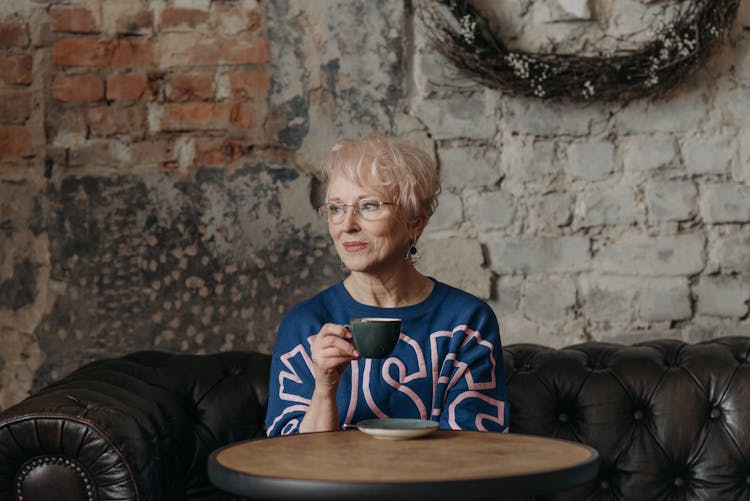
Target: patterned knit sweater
(447, 365)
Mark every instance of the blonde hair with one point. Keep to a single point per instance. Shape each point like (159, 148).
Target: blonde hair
(397, 171)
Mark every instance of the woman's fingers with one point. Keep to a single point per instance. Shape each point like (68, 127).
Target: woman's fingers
(338, 354)
(335, 336)
(335, 330)
(344, 346)
(331, 353)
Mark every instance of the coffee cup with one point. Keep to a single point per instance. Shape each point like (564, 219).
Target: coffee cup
(375, 337)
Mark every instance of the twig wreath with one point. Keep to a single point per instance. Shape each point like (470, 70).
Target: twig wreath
(463, 35)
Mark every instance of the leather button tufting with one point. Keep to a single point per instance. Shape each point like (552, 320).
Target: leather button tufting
(715, 413)
(563, 418)
(679, 482)
(747, 480)
(638, 415)
(604, 484)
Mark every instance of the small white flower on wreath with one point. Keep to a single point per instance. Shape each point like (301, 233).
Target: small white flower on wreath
(588, 89)
(468, 26)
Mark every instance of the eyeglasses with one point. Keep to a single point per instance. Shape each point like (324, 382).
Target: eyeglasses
(368, 209)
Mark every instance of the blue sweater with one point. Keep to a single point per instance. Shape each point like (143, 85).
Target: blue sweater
(447, 365)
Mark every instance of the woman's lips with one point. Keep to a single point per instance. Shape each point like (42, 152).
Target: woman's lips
(354, 246)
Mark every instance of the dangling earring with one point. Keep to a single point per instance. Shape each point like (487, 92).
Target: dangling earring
(412, 256)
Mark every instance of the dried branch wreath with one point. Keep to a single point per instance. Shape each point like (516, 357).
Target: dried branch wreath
(463, 35)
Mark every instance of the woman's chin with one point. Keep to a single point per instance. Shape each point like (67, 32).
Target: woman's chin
(373, 267)
(355, 267)
(352, 263)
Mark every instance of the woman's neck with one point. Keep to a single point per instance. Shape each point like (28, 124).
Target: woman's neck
(402, 287)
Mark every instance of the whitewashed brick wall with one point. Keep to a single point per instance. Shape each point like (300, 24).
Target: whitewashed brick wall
(608, 221)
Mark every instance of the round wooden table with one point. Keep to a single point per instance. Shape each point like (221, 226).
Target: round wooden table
(442, 465)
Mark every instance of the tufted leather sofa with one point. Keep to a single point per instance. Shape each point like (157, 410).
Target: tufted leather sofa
(670, 420)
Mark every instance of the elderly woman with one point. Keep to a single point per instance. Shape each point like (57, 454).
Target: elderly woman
(448, 363)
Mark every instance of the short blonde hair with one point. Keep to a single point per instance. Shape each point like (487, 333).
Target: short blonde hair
(393, 169)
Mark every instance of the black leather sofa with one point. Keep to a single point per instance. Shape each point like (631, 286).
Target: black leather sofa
(670, 420)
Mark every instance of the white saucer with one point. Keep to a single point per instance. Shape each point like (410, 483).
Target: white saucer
(397, 428)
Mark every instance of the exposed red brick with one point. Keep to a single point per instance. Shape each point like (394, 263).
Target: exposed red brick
(103, 121)
(190, 86)
(13, 34)
(127, 87)
(77, 88)
(196, 116)
(81, 52)
(249, 85)
(141, 22)
(171, 17)
(15, 104)
(133, 53)
(15, 70)
(240, 115)
(73, 19)
(99, 53)
(254, 20)
(216, 152)
(14, 140)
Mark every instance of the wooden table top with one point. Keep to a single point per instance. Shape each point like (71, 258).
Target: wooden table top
(352, 464)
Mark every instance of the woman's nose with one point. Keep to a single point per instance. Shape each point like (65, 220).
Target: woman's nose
(351, 219)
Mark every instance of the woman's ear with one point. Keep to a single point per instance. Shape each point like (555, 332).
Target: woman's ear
(416, 227)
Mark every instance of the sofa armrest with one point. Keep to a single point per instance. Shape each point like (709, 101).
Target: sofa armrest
(133, 428)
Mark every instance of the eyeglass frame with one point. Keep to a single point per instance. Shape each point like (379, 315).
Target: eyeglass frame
(356, 207)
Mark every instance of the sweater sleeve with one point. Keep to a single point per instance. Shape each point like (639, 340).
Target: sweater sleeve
(292, 381)
(476, 394)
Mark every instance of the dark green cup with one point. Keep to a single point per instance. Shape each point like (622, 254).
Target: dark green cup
(375, 337)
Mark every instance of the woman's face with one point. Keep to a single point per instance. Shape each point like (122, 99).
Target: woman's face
(366, 246)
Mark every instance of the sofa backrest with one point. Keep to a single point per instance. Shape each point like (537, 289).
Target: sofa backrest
(670, 420)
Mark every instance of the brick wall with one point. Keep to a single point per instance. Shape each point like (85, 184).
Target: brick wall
(17, 136)
(135, 149)
(146, 78)
(610, 221)
(101, 74)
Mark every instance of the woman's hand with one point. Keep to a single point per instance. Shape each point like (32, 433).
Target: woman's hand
(331, 352)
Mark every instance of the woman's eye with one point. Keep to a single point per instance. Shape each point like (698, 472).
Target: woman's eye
(369, 205)
(334, 208)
